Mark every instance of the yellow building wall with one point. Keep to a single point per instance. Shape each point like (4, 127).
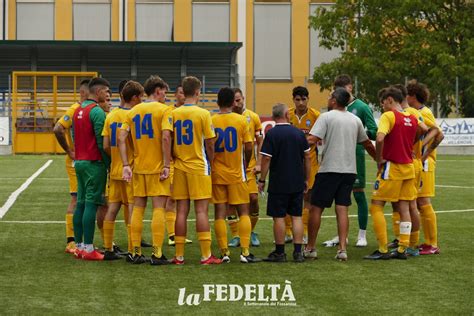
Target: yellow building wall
(183, 21)
(114, 20)
(63, 20)
(11, 19)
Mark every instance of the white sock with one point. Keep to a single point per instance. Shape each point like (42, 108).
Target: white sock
(362, 233)
(405, 228)
(89, 247)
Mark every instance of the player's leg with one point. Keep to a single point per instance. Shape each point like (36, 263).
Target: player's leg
(295, 205)
(288, 230)
(158, 223)
(181, 196)
(276, 208)
(254, 208)
(415, 229)
(395, 226)
(79, 212)
(233, 221)
(170, 216)
(427, 213)
(220, 227)
(138, 213)
(360, 198)
(305, 214)
(109, 228)
(405, 230)
(70, 243)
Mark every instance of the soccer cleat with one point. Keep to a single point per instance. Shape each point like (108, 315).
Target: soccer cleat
(211, 260)
(111, 255)
(275, 257)
(92, 256)
(332, 242)
(70, 247)
(144, 244)
(119, 251)
(413, 252)
(298, 257)
(254, 241)
(398, 255)
(189, 241)
(430, 250)
(341, 255)
(234, 242)
(78, 253)
(377, 255)
(249, 259)
(305, 240)
(288, 239)
(171, 241)
(161, 261)
(393, 244)
(310, 254)
(423, 246)
(177, 261)
(129, 258)
(225, 259)
(361, 242)
(138, 259)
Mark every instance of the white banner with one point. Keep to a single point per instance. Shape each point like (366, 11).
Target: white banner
(4, 130)
(457, 131)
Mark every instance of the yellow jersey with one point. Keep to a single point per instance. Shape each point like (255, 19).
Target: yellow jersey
(232, 131)
(255, 129)
(112, 125)
(145, 122)
(305, 123)
(66, 122)
(430, 121)
(417, 147)
(191, 125)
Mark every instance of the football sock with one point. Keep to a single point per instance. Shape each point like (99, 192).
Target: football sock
(69, 228)
(405, 231)
(424, 225)
(298, 247)
(254, 219)
(430, 225)
(233, 224)
(170, 221)
(77, 222)
(129, 238)
(137, 228)
(158, 229)
(305, 218)
(126, 215)
(396, 224)
(108, 234)
(380, 226)
(245, 228)
(221, 234)
(362, 209)
(280, 249)
(362, 234)
(88, 222)
(205, 244)
(288, 225)
(414, 238)
(179, 245)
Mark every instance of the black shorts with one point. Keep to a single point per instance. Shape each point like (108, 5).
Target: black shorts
(332, 186)
(279, 205)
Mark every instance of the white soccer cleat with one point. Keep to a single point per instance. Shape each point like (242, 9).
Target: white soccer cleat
(361, 242)
(332, 242)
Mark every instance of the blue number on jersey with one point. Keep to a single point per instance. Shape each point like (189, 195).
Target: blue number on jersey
(226, 139)
(144, 127)
(187, 137)
(113, 138)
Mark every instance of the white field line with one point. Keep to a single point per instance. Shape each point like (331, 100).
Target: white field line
(12, 198)
(211, 220)
(438, 186)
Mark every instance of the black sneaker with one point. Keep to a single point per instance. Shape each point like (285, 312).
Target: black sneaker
(138, 259)
(129, 258)
(110, 255)
(394, 255)
(298, 257)
(249, 259)
(377, 255)
(154, 261)
(144, 244)
(119, 251)
(393, 244)
(275, 257)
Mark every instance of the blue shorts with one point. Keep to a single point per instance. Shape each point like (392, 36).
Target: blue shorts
(280, 205)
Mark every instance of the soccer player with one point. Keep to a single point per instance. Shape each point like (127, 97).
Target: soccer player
(304, 117)
(91, 167)
(62, 131)
(363, 111)
(120, 191)
(193, 149)
(151, 166)
(232, 152)
(396, 135)
(255, 128)
(418, 95)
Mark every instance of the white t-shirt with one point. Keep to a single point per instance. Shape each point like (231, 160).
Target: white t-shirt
(341, 131)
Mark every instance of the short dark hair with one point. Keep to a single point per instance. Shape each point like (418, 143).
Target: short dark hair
(177, 87)
(131, 89)
(122, 84)
(342, 96)
(84, 82)
(190, 85)
(418, 90)
(152, 83)
(393, 92)
(402, 89)
(225, 97)
(342, 81)
(300, 91)
(97, 81)
(237, 90)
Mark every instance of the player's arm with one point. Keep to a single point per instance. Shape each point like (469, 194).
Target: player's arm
(248, 147)
(318, 131)
(106, 137)
(369, 147)
(436, 141)
(60, 133)
(307, 169)
(209, 136)
(379, 142)
(209, 144)
(122, 143)
(362, 138)
(166, 149)
(259, 142)
(370, 124)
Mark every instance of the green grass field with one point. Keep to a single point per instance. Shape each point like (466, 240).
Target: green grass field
(37, 277)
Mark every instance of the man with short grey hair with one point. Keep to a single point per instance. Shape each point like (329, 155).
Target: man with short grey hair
(341, 131)
(285, 145)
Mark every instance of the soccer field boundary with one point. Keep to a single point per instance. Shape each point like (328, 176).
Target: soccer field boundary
(12, 198)
(212, 220)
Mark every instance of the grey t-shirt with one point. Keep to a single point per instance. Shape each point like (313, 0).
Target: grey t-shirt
(340, 131)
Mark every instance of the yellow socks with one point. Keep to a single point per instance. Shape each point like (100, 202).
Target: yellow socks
(137, 228)
(221, 235)
(170, 221)
(253, 219)
(69, 227)
(234, 225)
(396, 224)
(305, 218)
(108, 234)
(205, 243)
(129, 236)
(288, 225)
(179, 246)
(380, 226)
(414, 239)
(245, 228)
(405, 231)
(430, 225)
(158, 230)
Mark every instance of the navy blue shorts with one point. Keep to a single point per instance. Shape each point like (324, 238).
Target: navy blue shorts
(280, 205)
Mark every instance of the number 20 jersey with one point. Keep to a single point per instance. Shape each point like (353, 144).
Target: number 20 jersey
(191, 125)
(145, 122)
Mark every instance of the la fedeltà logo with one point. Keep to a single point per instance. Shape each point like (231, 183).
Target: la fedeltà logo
(250, 294)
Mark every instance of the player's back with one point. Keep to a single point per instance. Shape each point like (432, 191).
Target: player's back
(145, 121)
(430, 121)
(232, 132)
(191, 126)
(417, 147)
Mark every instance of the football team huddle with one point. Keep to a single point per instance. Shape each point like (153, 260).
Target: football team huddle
(180, 153)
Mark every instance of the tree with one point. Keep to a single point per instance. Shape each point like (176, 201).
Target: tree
(387, 42)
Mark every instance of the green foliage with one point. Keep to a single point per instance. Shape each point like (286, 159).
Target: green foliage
(431, 41)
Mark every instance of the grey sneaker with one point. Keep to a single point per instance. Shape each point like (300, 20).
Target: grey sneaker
(341, 255)
(310, 254)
